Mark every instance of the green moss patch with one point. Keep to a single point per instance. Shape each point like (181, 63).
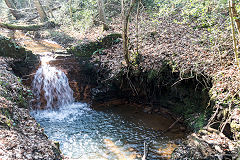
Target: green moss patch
(88, 49)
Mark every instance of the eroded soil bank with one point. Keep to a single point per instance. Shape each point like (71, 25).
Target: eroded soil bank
(186, 91)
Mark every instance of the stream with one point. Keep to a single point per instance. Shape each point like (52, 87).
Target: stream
(87, 133)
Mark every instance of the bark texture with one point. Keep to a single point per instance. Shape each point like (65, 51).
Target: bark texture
(13, 10)
(102, 14)
(235, 15)
(41, 12)
(125, 32)
(27, 27)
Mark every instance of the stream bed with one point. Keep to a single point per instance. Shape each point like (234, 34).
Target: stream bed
(112, 133)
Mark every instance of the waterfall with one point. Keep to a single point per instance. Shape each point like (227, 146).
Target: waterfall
(51, 87)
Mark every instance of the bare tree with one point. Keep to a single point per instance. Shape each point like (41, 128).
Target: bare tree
(231, 11)
(125, 18)
(70, 11)
(102, 14)
(41, 12)
(235, 14)
(122, 7)
(13, 9)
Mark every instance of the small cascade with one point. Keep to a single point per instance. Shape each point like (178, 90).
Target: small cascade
(51, 87)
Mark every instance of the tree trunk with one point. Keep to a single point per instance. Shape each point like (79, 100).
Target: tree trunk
(13, 10)
(102, 15)
(27, 27)
(41, 12)
(122, 7)
(125, 33)
(235, 15)
(71, 14)
(233, 32)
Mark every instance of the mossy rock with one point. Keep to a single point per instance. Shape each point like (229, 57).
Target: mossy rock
(110, 40)
(86, 50)
(6, 117)
(11, 49)
(25, 61)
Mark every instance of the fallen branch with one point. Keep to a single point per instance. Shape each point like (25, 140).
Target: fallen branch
(28, 27)
(166, 130)
(212, 130)
(145, 151)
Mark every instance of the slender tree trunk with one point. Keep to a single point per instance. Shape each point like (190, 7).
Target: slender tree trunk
(125, 33)
(235, 15)
(70, 11)
(12, 8)
(102, 15)
(122, 7)
(137, 27)
(49, 7)
(233, 33)
(41, 12)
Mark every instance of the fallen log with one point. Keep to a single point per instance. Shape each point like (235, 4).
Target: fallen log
(28, 27)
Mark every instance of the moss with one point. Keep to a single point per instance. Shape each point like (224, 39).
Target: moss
(11, 49)
(24, 62)
(6, 117)
(86, 50)
(110, 40)
(235, 128)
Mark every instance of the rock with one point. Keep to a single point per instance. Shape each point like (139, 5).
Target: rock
(57, 144)
(203, 145)
(218, 149)
(148, 109)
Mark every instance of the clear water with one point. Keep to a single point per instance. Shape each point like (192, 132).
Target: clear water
(85, 133)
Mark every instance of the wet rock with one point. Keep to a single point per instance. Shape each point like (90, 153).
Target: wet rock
(148, 109)
(206, 145)
(81, 77)
(24, 61)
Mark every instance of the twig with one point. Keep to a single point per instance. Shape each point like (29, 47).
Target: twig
(166, 130)
(145, 151)
(181, 79)
(130, 83)
(213, 116)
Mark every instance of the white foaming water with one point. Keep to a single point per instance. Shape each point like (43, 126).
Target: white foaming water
(53, 84)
